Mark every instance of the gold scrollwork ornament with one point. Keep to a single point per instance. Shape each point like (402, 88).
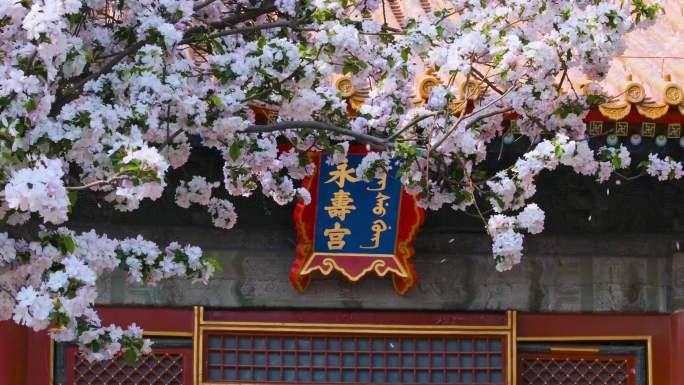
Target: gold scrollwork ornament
(615, 111)
(427, 83)
(673, 94)
(355, 96)
(652, 111)
(345, 86)
(634, 92)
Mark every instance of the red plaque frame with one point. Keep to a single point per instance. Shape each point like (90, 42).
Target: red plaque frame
(410, 218)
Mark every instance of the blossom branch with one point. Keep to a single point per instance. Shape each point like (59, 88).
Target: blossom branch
(254, 28)
(288, 125)
(482, 77)
(97, 183)
(201, 4)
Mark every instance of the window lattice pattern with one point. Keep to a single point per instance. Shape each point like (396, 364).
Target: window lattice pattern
(377, 360)
(153, 369)
(575, 371)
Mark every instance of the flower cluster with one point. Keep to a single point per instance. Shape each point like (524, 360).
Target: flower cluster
(54, 284)
(664, 169)
(39, 189)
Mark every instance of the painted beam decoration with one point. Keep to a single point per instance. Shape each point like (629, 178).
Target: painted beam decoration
(355, 227)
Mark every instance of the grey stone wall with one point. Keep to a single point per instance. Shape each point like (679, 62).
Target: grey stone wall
(641, 273)
(610, 247)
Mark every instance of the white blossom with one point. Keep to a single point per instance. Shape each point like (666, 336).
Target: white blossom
(531, 219)
(39, 189)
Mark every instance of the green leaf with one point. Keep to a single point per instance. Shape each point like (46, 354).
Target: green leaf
(353, 64)
(234, 150)
(73, 197)
(216, 100)
(558, 151)
(215, 263)
(478, 174)
(88, 55)
(261, 42)
(30, 105)
(69, 244)
(405, 53)
(130, 356)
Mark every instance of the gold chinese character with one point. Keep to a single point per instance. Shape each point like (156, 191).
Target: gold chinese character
(382, 183)
(341, 205)
(595, 128)
(648, 129)
(674, 130)
(336, 236)
(342, 174)
(621, 128)
(378, 227)
(379, 208)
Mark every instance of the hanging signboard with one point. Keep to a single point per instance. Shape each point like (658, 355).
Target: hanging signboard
(355, 227)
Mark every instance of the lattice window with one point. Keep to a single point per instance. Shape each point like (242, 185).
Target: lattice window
(576, 369)
(158, 368)
(357, 359)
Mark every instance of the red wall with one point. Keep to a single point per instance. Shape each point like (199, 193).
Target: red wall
(13, 353)
(25, 355)
(677, 343)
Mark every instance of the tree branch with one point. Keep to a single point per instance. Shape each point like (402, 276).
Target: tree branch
(97, 183)
(75, 90)
(201, 4)
(487, 81)
(296, 124)
(277, 24)
(110, 64)
(247, 15)
(409, 125)
(471, 123)
(460, 119)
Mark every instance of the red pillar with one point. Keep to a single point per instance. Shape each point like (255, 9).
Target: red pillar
(677, 348)
(13, 353)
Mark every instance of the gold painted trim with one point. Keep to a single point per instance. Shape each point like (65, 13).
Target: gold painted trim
(162, 333)
(647, 339)
(151, 333)
(51, 367)
(573, 349)
(200, 360)
(237, 383)
(514, 348)
(585, 338)
(228, 325)
(353, 254)
(357, 331)
(377, 265)
(195, 350)
(353, 326)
